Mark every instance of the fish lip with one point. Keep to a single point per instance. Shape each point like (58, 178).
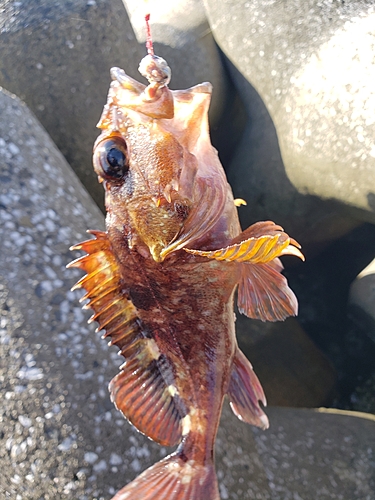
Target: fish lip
(149, 93)
(126, 81)
(154, 100)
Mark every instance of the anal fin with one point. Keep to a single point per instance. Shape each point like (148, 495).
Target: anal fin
(245, 392)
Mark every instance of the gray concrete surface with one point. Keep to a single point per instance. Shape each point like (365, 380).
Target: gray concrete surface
(304, 70)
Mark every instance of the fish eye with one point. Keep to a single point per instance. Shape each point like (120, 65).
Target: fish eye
(111, 159)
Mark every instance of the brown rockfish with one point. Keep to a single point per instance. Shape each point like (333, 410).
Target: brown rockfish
(161, 279)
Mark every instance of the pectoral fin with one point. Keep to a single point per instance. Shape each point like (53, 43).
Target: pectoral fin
(245, 392)
(263, 292)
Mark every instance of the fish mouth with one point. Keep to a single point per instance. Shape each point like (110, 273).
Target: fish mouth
(154, 100)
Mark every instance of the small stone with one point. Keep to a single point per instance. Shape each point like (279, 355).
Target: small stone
(100, 466)
(30, 373)
(90, 457)
(115, 459)
(66, 444)
(13, 148)
(25, 421)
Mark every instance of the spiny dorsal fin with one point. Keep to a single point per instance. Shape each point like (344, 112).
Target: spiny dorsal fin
(143, 390)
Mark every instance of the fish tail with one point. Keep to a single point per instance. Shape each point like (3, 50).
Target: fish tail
(173, 478)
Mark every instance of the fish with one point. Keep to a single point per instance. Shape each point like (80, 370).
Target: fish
(161, 280)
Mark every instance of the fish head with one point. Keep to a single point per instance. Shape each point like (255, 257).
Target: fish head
(162, 177)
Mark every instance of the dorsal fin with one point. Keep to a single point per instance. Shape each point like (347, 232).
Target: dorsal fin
(143, 390)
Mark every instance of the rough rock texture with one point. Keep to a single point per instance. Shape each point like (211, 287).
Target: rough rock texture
(326, 454)
(60, 435)
(363, 397)
(312, 64)
(56, 57)
(362, 296)
(361, 312)
(293, 371)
